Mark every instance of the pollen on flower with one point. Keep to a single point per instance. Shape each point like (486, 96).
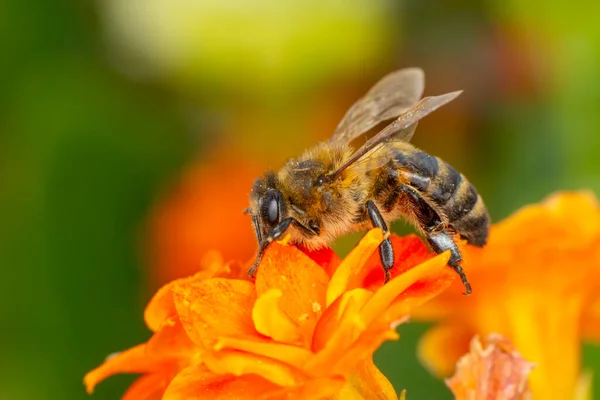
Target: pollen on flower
(316, 307)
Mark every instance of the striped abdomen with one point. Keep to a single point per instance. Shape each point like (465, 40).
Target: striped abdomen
(447, 190)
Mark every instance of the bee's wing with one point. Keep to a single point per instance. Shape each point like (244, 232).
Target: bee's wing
(391, 96)
(401, 129)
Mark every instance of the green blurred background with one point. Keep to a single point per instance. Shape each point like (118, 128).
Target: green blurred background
(104, 104)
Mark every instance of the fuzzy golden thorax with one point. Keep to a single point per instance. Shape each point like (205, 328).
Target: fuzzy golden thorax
(322, 210)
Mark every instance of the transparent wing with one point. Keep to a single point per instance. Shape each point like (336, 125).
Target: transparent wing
(402, 129)
(391, 96)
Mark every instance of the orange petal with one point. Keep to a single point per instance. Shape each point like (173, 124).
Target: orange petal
(420, 292)
(161, 306)
(239, 363)
(172, 342)
(134, 361)
(216, 307)
(325, 257)
(430, 270)
(340, 327)
(362, 348)
(590, 322)
(288, 354)
(314, 389)
(350, 272)
(270, 320)
(441, 346)
(148, 387)
(302, 282)
(370, 383)
(336, 315)
(198, 383)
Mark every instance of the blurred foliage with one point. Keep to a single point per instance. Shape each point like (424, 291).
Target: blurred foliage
(91, 133)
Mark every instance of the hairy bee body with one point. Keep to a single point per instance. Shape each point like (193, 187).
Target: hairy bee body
(332, 189)
(333, 209)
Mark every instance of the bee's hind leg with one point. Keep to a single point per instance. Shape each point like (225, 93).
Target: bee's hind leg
(386, 251)
(439, 240)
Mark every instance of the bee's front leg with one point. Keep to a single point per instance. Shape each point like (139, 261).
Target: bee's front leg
(386, 251)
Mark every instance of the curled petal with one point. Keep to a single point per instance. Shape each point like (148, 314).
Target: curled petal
(198, 383)
(314, 389)
(270, 320)
(350, 272)
(339, 328)
(384, 297)
(301, 281)
(370, 383)
(240, 363)
(288, 354)
(133, 361)
(162, 308)
(148, 387)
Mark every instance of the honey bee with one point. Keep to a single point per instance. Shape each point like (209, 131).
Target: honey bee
(331, 189)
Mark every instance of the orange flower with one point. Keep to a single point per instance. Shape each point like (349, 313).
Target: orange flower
(199, 215)
(306, 328)
(496, 371)
(536, 283)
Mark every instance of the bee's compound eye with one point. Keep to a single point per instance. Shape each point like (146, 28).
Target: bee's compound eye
(273, 211)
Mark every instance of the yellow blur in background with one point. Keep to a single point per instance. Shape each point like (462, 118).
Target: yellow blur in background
(130, 133)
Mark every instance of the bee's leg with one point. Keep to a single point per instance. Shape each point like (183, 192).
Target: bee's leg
(439, 240)
(386, 252)
(275, 233)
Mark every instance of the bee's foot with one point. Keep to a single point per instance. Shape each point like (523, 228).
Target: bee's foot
(252, 271)
(387, 276)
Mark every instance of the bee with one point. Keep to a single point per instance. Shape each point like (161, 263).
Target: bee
(332, 189)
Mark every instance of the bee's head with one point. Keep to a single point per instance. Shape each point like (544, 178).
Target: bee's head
(268, 210)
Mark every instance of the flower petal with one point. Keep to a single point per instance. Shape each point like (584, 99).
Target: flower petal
(197, 383)
(171, 342)
(314, 389)
(351, 270)
(215, 307)
(302, 282)
(148, 387)
(133, 361)
(270, 320)
(428, 271)
(325, 257)
(333, 340)
(370, 383)
(441, 346)
(591, 322)
(240, 363)
(341, 314)
(362, 348)
(288, 354)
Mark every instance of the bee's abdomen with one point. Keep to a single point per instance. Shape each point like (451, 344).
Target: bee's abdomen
(460, 202)
(449, 191)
